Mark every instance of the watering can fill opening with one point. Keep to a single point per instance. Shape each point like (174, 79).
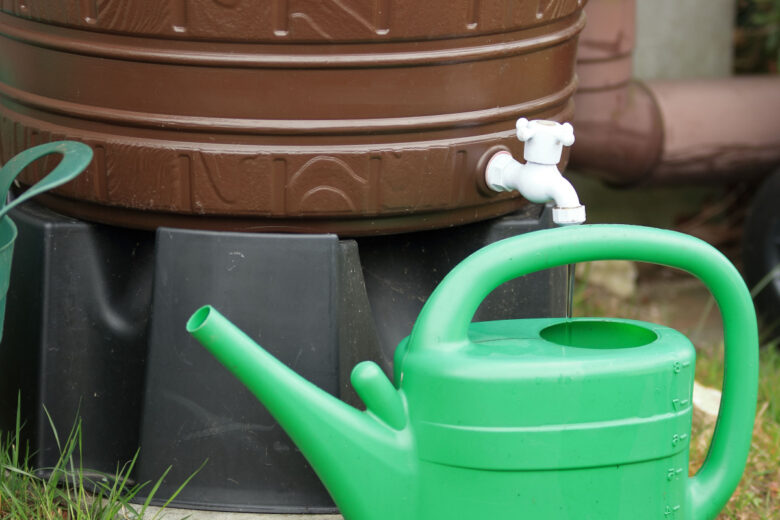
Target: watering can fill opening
(598, 334)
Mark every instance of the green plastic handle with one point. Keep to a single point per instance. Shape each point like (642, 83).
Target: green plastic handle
(444, 321)
(75, 158)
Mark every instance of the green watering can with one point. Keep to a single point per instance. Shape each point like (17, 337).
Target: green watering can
(583, 418)
(75, 158)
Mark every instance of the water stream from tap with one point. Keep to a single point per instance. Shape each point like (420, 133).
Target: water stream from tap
(570, 289)
(570, 270)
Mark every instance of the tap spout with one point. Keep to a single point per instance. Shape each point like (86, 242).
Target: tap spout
(538, 183)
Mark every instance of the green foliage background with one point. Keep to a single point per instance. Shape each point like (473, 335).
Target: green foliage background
(757, 37)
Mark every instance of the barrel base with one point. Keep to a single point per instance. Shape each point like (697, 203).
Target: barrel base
(344, 226)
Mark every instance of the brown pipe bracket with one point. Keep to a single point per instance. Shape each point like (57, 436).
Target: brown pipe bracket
(283, 112)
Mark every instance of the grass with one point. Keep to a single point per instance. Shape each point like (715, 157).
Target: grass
(70, 492)
(758, 494)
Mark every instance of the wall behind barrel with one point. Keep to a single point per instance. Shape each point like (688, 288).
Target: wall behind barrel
(684, 39)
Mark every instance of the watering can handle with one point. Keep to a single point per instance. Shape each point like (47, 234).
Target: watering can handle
(444, 321)
(75, 157)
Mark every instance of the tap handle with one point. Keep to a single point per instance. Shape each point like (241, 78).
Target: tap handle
(544, 140)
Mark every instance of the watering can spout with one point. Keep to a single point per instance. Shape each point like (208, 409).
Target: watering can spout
(352, 452)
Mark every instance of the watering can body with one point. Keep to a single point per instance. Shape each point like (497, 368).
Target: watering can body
(583, 418)
(544, 418)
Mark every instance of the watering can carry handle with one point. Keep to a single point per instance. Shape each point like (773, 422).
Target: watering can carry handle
(444, 320)
(75, 157)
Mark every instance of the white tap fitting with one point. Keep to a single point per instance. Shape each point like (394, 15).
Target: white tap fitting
(538, 179)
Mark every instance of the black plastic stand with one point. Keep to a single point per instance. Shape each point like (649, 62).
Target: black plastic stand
(95, 327)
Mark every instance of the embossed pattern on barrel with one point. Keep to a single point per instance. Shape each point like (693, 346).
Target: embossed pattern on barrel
(302, 115)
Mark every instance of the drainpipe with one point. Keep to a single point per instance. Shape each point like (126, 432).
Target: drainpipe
(665, 132)
(538, 179)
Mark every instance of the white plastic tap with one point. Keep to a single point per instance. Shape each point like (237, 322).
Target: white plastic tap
(538, 179)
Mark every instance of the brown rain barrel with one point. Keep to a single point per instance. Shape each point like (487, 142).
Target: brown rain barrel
(349, 116)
